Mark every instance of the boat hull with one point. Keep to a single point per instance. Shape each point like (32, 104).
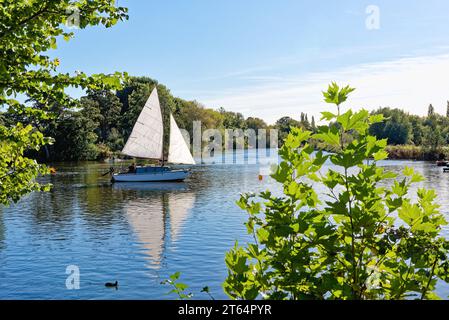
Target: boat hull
(175, 175)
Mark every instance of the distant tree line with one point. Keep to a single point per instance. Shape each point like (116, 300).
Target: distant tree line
(429, 135)
(100, 126)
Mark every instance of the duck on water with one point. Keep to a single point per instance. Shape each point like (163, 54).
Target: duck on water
(147, 142)
(111, 284)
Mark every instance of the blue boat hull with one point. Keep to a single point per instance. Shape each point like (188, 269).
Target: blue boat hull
(151, 174)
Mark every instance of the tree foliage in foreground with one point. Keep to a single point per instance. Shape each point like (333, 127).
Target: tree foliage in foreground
(17, 172)
(365, 238)
(28, 29)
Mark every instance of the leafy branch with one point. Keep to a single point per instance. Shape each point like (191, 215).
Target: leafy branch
(330, 248)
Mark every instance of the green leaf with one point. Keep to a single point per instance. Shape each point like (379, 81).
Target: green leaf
(53, 43)
(175, 276)
(327, 116)
(181, 286)
(358, 121)
(345, 120)
(409, 213)
(336, 95)
(380, 155)
(408, 171)
(262, 235)
(376, 118)
(333, 139)
(425, 227)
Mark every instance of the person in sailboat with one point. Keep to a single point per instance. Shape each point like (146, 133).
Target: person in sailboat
(132, 168)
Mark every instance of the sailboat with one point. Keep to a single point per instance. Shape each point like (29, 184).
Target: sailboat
(146, 142)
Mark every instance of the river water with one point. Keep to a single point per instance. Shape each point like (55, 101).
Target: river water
(137, 234)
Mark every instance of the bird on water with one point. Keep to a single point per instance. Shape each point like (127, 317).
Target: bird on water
(111, 285)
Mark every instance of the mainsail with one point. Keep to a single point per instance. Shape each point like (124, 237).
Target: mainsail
(146, 139)
(178, 151)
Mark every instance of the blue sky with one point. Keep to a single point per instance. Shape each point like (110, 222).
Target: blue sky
(271, 58)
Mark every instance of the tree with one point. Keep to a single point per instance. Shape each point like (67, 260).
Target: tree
(17, 172)
(396, 126)
(115, 141)
(232, 120)
(447, 110)
(27, 30)
(284, 126)
(430, 111)
(133, 96)
(75, 138)
(305, 121)
(187, 112)
(255, 123)
(25, 70)
(312, 124)
(109, 109)
(286, 123)
(432, 139)
(417, 130)
(347, 243)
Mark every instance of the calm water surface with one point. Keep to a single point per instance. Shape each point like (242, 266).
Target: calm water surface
(135, 233)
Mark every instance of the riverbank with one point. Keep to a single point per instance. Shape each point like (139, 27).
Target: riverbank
(396, 152)
(407, 152)
(412, 152)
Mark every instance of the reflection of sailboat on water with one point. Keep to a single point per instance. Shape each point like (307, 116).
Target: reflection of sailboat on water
(158, 218)
(151, 186)
(147, 141)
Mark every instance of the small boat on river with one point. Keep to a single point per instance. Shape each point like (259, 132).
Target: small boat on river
(442, 163)
(147, 142)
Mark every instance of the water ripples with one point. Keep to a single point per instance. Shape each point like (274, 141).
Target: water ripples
(136, 234)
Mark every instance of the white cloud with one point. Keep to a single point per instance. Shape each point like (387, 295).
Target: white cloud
(410, 83)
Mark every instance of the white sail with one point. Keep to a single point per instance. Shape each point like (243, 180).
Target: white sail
(146, 139)
(178, 151)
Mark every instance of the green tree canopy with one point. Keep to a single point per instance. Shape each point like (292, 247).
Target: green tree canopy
(28, 29)
(255, 123)
(396, 126)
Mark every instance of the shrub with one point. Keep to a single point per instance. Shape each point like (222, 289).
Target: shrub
(359, 240)
(405, 152)
(102, 152)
